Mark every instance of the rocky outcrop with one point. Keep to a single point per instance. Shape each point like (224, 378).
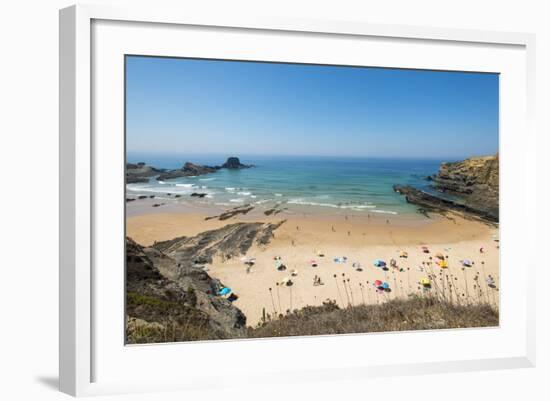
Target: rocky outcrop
(170, 301)
(476, 180)
(169, 295)
(188, 170)
(226, 242)
(470, 186)
(431, 203)
(234, 163)
(244, 209)
(140, 172)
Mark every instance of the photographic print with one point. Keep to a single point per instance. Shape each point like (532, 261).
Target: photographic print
(281, 199)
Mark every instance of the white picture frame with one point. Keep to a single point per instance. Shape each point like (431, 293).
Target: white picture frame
(80, 211)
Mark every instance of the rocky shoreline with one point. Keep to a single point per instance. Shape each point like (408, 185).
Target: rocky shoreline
(171, 297)
(472, 183)
(141, 172)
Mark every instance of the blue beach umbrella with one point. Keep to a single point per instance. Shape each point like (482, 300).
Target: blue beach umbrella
(379, 263)
(224, 291)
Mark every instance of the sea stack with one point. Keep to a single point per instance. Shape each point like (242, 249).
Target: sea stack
(233, 163)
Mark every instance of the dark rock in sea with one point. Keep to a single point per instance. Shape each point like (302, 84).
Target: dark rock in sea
(198, 194)
(188, 170)
(157, 204)
(431, 203)
(177, 196)
(136, 180)
(130, 199)
(142, 197)
(234, 163)
(275, 210)
(140, 173)
(152, 196)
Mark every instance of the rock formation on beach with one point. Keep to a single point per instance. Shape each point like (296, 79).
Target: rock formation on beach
(472, 183)
(170, 296)
(226, 242)
(244, 209)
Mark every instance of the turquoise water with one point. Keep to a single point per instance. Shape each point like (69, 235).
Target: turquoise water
(330, 183)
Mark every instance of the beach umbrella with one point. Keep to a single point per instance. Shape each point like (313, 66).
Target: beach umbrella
(467, 262)
(379, 263)
(378, 283)
(313, 263)
(425, 281)
(439, 255)
(385, 285)
(443, 264)
(403, 254)
(224, 291)
(425, 249)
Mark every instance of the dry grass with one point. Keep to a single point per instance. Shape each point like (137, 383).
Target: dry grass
(415, 313)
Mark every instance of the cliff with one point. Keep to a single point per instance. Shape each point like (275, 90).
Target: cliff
(473, 186)
(475, 180)
(171, 297)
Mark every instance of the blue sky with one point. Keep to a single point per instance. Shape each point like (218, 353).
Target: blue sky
(194, 106)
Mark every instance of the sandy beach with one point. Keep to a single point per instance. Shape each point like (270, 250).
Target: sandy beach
(361, 239)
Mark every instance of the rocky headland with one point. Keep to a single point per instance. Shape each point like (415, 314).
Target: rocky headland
(188, 170)
(473, 186)
(141, 172)
(171, 297)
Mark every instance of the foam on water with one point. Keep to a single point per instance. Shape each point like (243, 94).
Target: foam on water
(363, 185)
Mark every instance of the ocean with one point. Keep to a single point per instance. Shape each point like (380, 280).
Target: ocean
(326, 184)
